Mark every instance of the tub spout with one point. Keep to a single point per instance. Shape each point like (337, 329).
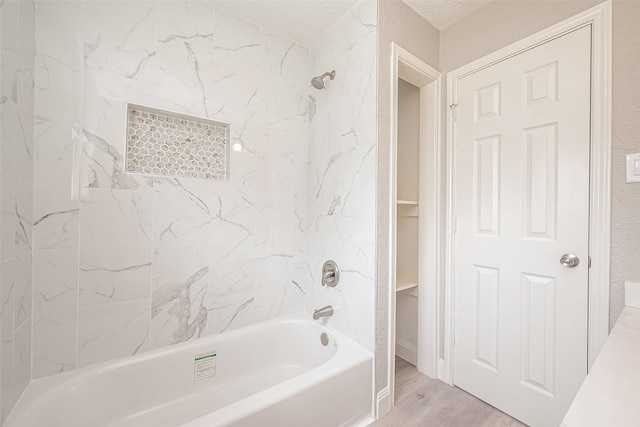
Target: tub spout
(322, 312)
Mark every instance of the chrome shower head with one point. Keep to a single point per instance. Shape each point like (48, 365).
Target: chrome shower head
(318, 82)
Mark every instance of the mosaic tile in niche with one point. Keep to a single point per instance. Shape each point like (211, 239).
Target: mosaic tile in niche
(170, 144)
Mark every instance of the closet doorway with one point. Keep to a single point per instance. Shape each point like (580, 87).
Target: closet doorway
(414, 232)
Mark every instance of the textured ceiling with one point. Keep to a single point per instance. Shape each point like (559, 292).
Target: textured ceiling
(300, 20)
(442, 13)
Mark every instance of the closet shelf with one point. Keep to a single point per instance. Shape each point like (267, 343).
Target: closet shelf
(407, 208)
(405, 286)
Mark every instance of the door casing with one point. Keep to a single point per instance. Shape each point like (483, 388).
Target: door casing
(412, 69)
(599, 18)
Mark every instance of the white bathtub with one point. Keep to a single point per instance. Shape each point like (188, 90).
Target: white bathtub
(273, 374)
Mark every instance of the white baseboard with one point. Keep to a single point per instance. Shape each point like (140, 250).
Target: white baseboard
(407, 351)
(384, 402)
(366, 422)
(441, 369)
(632, 294)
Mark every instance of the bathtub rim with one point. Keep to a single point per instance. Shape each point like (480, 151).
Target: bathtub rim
(327, 371)
(38, 388)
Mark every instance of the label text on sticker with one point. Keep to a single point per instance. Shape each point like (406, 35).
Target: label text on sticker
(204, 366)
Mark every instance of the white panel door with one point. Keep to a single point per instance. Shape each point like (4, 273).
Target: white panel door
(521, 200)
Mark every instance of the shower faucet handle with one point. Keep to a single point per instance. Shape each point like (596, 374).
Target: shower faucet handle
(330, 274)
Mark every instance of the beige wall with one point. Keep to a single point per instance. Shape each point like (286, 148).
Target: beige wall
(400, 24)
(488, 29)
(501, 23)
(625, 224)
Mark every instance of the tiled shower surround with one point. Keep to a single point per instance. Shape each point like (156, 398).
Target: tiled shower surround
(341, 186)
(124, 263)
(17, 179)
(155, 260)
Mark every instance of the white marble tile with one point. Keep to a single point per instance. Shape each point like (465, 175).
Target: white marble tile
(115, 246)
(632, 294)
(281, 169)
(231, 307)
(56, 220)
(25, 90)
(224, 253)
(304, 279)
(22, 356)
(285, 106)
(285, 58)
(8, 229)
(120, 67)
(26, 33)
(8, 389)
(59, 36)
(55, 315)
(24, 214)
(23, 285)
(237, 56)
(183, 209)
(341, 173)
(9, 51)
(114, 330)
(120, 50)
(234, 245)
(21, 369)
(24, 254)
(58, 108)
(277, 295)
(24, 134)
(246, 130)
(8, 218)
(233, 265)
(11, 204)
(9, 396)
(187, 20)
(6, 328)
(185, 56)
(10, 133)
(359, 295)
(56, 211)
(7, 287)
(179, 299)
(104, 144)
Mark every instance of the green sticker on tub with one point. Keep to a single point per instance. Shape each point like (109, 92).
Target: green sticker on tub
(204, 365)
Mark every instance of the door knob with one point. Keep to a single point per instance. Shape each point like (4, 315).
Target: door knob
(569, 260)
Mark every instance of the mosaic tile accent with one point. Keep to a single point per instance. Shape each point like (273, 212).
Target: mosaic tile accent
(170, 144)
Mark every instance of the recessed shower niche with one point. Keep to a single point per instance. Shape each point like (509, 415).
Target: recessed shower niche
(171, 144)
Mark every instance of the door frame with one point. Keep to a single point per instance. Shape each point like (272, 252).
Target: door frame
(599, 18)
(410, 68)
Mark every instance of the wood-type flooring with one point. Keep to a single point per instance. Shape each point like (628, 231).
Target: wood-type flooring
(425, 402)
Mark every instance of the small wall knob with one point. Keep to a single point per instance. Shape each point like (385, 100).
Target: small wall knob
(330, 274)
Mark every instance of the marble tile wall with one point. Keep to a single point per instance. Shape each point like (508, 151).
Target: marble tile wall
(125, 263)
(97, 263)
(342, 173)
(17, 21)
